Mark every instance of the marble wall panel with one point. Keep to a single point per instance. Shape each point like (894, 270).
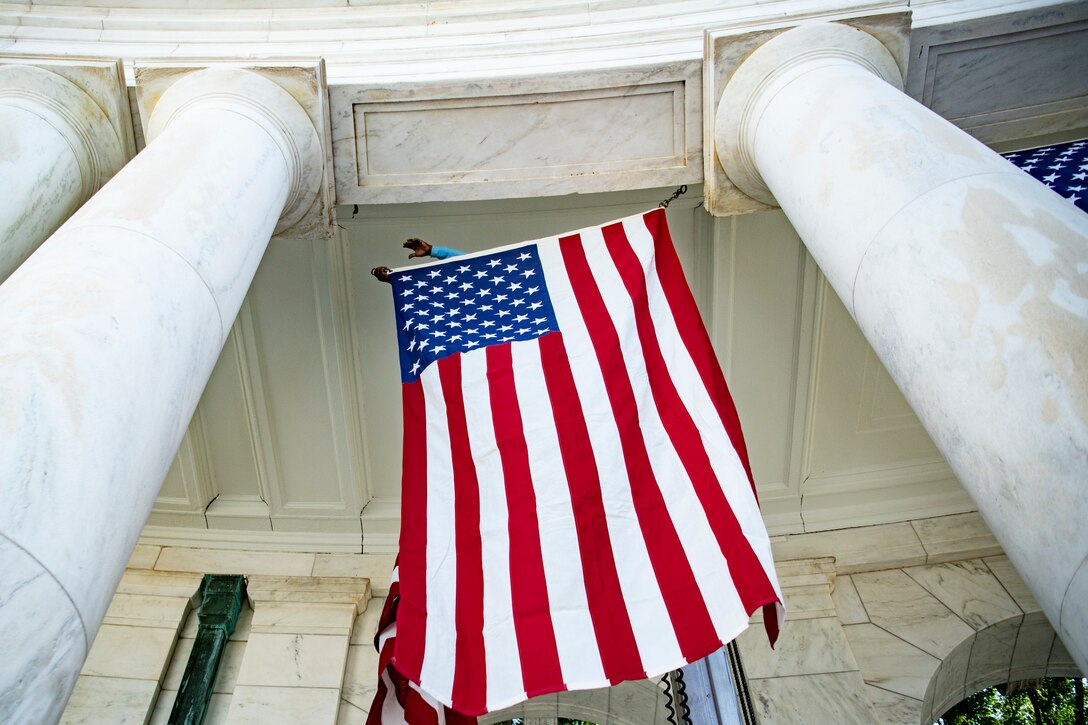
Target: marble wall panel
(254, 705)
(560, 134)
(967, 71)
(147, 610)
(856, 550)
(765, 279)
(143, 557)
(848, 605)
(991, 655)
(216, 714)
(828, 698)
(378, 568)
(969, 589)
(946, 687)
(294, 661)
(366, 624)
(891, 663)
(955, 537)
(217, 561)
(629, 703)
(134, 652)
(860, 418)
(1061, 663)
(804, 647)
(1013, 583)
(310, 481)
(314, 618)
(110, 701)
(899, 605)
(891, 708)
(1034, 642)
(360, 677)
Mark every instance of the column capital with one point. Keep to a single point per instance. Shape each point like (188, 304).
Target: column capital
(288, 102)
(746, 66)
(85, 100)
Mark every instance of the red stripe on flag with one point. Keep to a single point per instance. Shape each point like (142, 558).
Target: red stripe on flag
(540, 669)
(405, 702)
(693, 332)
(470, 671)
(690, 619)
(412, 612)
(607, 608)
(749, 577)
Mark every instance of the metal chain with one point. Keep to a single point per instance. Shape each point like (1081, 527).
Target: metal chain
(682, 189)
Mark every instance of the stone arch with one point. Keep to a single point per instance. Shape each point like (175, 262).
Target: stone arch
(1018, 648)
(926, 636)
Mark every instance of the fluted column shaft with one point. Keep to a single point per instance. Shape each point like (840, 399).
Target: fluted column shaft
(108, 334)
(57, 148)
(968, 278)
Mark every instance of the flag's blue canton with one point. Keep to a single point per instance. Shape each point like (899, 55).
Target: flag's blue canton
(467, 304)
(1063, 167)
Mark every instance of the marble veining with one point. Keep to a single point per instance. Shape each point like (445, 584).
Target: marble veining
(951, 273)
(889, 662)
(838, 698)
(804, 647)
(899, 605)
(602, 131)
(969, 589)
(58, 148)
(108, 334)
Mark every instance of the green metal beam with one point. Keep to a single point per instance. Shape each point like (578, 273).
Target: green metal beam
(223, 597)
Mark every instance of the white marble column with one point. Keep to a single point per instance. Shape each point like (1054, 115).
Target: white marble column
(57, 148)
(108, 334)
(968, 278)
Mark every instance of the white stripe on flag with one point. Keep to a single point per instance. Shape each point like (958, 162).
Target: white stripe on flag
(436, 674)
(723, 456)
(707, 561)
(645, 604)
(392, 712)
(575, 639)
(503, 662)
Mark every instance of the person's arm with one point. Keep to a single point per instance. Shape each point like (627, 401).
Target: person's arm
(420, 248)
(444, 252)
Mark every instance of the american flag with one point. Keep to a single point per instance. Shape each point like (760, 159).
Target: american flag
(398, 701)
(577, 501)
(1062, 167)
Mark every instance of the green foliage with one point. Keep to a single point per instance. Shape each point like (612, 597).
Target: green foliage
(1052, 701)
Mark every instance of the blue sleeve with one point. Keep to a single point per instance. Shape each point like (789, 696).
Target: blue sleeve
(444, 252)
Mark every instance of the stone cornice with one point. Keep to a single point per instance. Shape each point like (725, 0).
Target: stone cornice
(399, 41)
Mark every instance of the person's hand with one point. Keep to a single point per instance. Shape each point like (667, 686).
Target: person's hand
(381, 273)
(418, 247)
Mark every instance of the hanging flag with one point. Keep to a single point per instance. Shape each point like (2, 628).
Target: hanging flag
(577, 501)
(398, 701)
(1062, 167)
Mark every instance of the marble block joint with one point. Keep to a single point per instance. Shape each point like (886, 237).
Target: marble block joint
(963, 273)
(129, 304)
